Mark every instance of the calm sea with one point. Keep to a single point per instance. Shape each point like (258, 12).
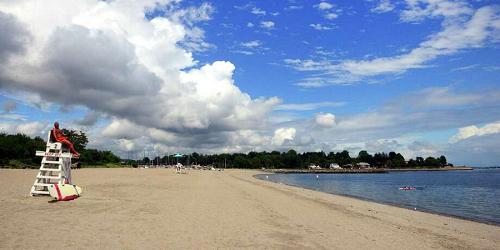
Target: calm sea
(471, 194)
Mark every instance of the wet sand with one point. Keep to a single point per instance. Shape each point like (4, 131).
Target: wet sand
(159, 209)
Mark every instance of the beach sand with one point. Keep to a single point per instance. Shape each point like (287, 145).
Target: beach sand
(159, 209)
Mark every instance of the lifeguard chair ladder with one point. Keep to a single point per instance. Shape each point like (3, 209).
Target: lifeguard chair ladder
(54, 169)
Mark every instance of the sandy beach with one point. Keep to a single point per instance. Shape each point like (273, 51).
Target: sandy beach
(159, 209)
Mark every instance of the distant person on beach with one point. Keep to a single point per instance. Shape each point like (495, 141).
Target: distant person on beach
(58, 136)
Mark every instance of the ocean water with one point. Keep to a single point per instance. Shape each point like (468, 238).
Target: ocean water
(473, 194)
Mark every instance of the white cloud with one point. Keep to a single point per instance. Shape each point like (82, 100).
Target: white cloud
(463, 28)
(325, 120)
(267, 24)
(366, 121)
(383, 6)
(252, 44)
(10, 116)
(250, 25)
(441, 97)
(294, 7)
(250, 48)
(281, 135)
(466, 68)
(28, 128)
(193, 15)
(318, 26)
(473, 131)
(107, 57)
(418, 10)
(244, 52)
(328, 10)
(331, 16)
(454, 37)
(257, 11)
(308, 106)
(324, 6)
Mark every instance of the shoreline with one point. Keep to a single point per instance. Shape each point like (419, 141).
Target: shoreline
(325, 171)
(360, 171)
(410, 208)
(430, 169)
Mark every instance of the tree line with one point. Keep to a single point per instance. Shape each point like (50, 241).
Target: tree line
(293, 160)
(18, 151)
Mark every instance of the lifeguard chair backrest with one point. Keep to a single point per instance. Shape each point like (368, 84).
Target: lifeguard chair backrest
(52, 137)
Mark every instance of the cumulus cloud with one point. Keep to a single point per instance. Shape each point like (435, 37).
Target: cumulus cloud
(257, 11)
(475, 151)
(325, 120)
(324, 6)
(282, 135)
(472, 131)
(28, 128)
(109, 58)
(14, 38)
(267, 24)
(318, 26)
(328, 10)
(331, 15)
(383, 6)
(89, 119)
(404, 120)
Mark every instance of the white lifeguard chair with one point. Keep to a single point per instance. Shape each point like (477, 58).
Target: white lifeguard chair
(54, 169)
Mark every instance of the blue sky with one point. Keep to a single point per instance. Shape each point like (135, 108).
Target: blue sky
(418, 77)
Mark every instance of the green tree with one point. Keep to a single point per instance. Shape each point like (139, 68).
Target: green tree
(240, 162)
(78, 138)
(292, 160)
(432, 162)
(343, 157)
(420, 161)
(364, 156)
(442, 160)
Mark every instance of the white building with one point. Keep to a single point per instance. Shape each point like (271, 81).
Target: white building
(313, 166)
(335, 166)
(363, 165)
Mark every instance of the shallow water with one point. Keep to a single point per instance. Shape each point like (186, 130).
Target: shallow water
(471, 194)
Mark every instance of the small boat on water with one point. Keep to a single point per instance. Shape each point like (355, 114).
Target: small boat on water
(407, 188)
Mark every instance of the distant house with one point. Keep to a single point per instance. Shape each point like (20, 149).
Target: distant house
(347, 166)
(363, 165)
(314, 166)
(335, 166)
